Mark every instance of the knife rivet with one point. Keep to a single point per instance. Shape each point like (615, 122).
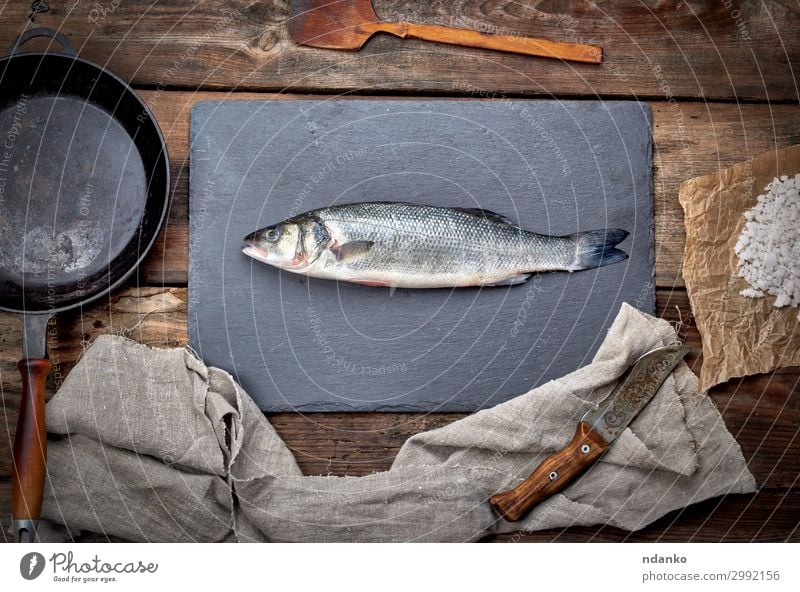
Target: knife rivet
(553, 476)
(585, 449)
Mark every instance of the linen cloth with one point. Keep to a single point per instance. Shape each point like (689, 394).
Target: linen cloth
(152, 445)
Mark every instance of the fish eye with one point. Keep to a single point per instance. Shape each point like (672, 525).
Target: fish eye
(272, 235)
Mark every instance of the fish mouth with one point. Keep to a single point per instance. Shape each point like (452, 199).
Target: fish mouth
(261, 255)
(251, 250)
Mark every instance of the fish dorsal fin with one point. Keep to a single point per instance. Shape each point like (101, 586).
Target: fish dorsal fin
(488, 214)
(351, 250)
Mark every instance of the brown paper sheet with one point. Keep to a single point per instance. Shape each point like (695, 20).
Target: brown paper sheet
(741, 336)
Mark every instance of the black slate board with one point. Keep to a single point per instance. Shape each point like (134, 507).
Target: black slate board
(313, 345)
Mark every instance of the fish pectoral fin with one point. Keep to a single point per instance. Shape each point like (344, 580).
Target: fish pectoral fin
(351, 250)
(488, 214)
(511, 281)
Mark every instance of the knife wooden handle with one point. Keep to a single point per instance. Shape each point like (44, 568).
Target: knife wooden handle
(562, 50)
(30, 444)
(554, 474)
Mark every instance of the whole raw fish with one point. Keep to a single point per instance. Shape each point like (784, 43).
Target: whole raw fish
(403, 245)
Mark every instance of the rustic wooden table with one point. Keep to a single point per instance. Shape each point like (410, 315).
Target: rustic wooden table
(721, 79)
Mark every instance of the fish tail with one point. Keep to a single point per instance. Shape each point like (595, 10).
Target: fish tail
(595, 248)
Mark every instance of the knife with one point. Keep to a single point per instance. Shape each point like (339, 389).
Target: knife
(596, 431)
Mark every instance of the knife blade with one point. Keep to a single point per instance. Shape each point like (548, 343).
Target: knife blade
(597, 430)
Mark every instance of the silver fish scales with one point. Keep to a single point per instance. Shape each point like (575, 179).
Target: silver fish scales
(405, 245)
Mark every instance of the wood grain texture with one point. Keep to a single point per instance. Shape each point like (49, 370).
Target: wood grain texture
(532, 46)
(30, 442)
(349, 24)
(768, 516)
(689, 139)
(554, 474)
(673, 48)
(762, 412)
(667, 52)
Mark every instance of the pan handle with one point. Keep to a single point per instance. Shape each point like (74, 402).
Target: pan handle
(30, 442)
(30, 450)
(66, 45)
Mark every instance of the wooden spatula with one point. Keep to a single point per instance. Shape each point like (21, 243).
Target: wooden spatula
(347, 24)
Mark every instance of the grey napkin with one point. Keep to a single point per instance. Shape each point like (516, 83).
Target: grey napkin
(155, 446)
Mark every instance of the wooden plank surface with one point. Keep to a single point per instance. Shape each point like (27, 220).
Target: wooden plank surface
(690, 49)
(762, 412)
(768, 516)
(721, 79)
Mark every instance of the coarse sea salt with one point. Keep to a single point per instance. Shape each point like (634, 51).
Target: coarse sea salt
(769, 245)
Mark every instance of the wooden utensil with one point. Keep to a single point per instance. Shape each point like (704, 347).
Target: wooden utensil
(348, 24)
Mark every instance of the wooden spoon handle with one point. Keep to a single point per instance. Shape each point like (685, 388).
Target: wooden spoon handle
(574, 52)
(30, 448)
(554, 474)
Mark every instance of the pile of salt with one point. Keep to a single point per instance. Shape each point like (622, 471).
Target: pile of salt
(769, 245)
